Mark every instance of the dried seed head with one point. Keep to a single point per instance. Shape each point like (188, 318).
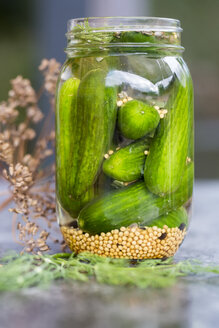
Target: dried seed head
(22, 94)
(50, 69)
(8, 113)
(32, 200)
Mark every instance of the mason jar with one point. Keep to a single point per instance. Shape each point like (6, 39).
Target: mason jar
(124, 138)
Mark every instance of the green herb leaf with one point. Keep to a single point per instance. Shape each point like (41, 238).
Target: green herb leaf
(24, 271)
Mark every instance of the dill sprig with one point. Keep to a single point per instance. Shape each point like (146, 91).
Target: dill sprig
(24, 271)
(86, 33)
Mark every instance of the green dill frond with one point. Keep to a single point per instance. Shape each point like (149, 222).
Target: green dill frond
(25, 271)
(85, 33)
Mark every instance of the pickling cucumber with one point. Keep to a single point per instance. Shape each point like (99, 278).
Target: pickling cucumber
(177, 218)
(66, 110)
(72, 205)
(133, 204)
(148, 43)
(143, 37)
(136, 119)
(137, 37)
(93, 129)
(191, 121)
(80, 66)
(127, 164)
(166, 161)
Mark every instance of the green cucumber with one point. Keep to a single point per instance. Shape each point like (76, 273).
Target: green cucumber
(136, 119)
(82, 65)
(177, 218)
(144, 37)
(137, 37)
(110, 115)
(66, 109)
(148, 43)
(73, 206)
(133, 204)
(127, 164)
(93, 129)
(191, 121)
(165, 163)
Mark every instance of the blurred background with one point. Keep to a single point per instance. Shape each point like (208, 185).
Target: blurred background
(32, 30)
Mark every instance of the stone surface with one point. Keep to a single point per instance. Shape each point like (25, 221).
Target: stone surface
(192, 302)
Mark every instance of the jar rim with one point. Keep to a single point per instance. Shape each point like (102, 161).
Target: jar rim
(123, 23)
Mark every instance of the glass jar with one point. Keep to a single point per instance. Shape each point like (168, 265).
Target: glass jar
(124, 138)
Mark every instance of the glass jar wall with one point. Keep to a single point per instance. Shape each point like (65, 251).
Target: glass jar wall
(124, 138)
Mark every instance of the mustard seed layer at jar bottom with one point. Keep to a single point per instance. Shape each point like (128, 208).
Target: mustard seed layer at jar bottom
(131, 242)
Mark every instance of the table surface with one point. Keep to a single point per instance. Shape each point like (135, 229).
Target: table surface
(190, 303)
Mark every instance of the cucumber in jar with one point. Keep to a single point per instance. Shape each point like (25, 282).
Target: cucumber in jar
(93, 129)
(145, 37)
(136, 119)
(86, 112)
(177, 218)
(66, 113)
(133, 204)
(165, 164)
(127, 164)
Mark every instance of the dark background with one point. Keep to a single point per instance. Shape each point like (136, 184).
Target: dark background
(32, 30)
